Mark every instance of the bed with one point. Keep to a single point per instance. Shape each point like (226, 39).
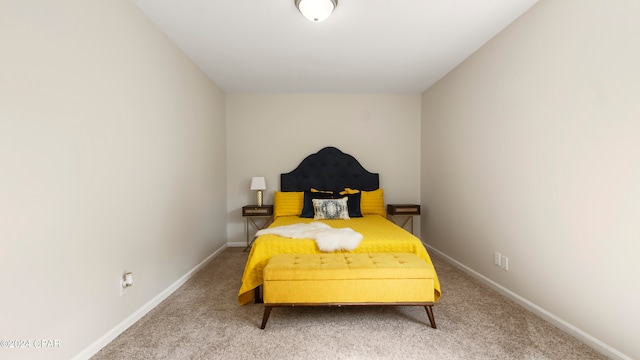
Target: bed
(328, 174)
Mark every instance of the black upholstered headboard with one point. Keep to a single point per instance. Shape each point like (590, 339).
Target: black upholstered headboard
(329, 169)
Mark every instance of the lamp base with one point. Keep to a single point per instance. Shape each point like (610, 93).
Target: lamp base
(259, 197)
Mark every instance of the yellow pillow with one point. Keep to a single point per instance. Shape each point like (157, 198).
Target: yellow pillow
(287, 203)
(371, 202)
(349, 191)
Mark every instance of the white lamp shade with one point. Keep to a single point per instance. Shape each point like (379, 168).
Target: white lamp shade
(316, 10)
(258, 183)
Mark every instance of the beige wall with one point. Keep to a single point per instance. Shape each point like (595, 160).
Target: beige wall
(531, 148)
(112, 157)
(269, 134)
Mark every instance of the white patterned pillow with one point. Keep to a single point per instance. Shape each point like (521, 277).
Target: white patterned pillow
(330, 209)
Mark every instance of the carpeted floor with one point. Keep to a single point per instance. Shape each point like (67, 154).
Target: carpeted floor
(202, 320)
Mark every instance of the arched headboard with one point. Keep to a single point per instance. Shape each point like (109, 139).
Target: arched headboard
(329, 169)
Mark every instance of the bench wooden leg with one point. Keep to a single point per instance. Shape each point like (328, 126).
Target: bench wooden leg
(258, 295)
(432, 320)
(265, 317)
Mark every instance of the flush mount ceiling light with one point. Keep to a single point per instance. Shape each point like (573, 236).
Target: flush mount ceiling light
(316, 10)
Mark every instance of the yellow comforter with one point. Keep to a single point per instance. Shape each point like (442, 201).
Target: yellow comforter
(380, 235)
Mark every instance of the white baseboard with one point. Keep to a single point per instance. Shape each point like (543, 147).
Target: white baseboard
(589, 340)
(126, 323)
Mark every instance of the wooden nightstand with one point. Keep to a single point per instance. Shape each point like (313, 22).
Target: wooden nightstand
(408, 211)
(250, 213)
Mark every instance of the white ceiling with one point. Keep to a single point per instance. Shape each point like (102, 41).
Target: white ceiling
(366, 46)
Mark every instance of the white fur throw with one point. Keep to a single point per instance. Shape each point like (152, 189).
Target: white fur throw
(328, 239)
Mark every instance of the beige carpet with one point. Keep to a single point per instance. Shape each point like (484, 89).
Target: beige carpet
(202, 320)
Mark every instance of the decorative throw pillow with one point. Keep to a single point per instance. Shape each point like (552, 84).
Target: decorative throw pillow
(353, 203)
(321, 191)
(331, 209)
(307, 205)
(349, 191)
(372, 202)
(287, 203)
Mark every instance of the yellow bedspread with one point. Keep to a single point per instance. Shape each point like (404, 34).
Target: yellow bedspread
(379, 235)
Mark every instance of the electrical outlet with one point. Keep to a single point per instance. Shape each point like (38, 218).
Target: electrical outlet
(504, 263)
(497, 258)
(126, 282)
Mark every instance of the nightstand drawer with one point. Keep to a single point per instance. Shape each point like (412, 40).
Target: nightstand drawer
(403, 209)
(255, 210)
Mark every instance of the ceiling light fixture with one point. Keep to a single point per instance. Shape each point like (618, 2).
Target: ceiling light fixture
(316, 10)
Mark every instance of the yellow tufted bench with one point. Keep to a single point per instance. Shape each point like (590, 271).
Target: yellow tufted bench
(348, 279)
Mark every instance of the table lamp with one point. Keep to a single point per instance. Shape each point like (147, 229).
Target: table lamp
(258, 183)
